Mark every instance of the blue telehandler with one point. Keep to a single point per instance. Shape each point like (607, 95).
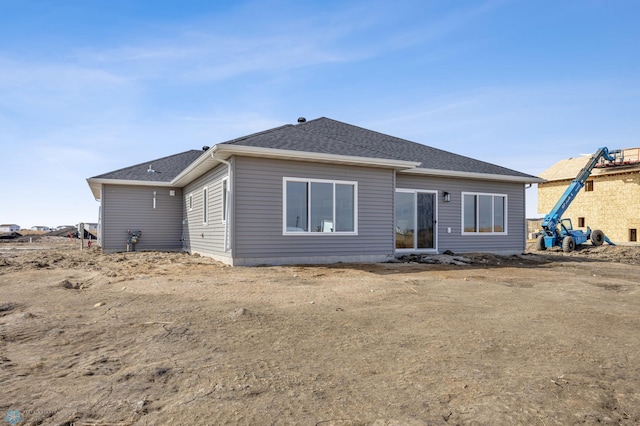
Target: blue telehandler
(558, 232)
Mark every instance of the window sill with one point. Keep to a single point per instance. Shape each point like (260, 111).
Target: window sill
(319, 233)
(464, 234)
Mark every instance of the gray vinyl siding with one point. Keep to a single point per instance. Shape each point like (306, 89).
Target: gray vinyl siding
(199, 237)
(258, 226)
(450, 214)
(131, 207)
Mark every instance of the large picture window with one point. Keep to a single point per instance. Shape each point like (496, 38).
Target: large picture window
(320, 206)
(484, 213)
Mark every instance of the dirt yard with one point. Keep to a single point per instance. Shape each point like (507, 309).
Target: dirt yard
(168, 338)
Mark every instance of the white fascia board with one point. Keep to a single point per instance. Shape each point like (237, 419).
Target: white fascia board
(222, 152)
(473, 175)
(228, 150)
(96, 183)
(200, 166)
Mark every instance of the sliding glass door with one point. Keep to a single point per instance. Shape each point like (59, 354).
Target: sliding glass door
(415, 220)
(405, 220)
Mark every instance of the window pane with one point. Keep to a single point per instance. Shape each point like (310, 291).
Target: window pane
(485, 213)
(498, 214)
(345, 208)
(321, 207)
(426, 216)
(297, 207)
(469, 213)
(405, 219)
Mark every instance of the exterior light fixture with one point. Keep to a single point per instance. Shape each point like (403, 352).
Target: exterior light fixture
(447, 197)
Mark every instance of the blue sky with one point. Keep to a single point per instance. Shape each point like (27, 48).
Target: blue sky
(87, 87)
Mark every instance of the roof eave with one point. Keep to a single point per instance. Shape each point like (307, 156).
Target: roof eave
(211, 157)
(96, 188)
(474, 175)
(197, 168)
(96, 184)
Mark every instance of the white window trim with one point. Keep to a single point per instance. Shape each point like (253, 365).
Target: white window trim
(415, 219)
(334, 182)
(491, 194)
(205, 205)
(224, 202)
(190, 202)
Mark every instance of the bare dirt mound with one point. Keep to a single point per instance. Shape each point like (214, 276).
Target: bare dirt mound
(167, 338)
(621, 254)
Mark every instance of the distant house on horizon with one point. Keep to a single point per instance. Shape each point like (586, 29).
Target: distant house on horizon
(320, 191)
(9, 227)
(40, 228)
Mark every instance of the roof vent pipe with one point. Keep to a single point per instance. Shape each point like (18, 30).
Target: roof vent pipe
(301, 119)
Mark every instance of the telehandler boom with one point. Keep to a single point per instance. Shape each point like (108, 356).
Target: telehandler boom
(559, 232)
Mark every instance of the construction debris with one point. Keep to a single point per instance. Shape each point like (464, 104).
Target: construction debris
(441, 259)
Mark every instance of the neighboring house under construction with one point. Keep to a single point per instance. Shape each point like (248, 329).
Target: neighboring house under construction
(609, 200)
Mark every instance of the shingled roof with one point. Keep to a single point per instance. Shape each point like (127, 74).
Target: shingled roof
(321, 136)
(324, 135)
(159, 170)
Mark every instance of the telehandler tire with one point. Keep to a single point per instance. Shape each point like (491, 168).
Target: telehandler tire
(540, 243)
(568, 244)
(597, 237)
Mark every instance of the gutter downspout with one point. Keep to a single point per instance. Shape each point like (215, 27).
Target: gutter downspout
(227, 243)
(526, 230)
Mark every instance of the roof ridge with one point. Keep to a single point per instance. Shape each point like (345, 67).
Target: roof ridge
(262, 132)
(315, 119)
(353, 142)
